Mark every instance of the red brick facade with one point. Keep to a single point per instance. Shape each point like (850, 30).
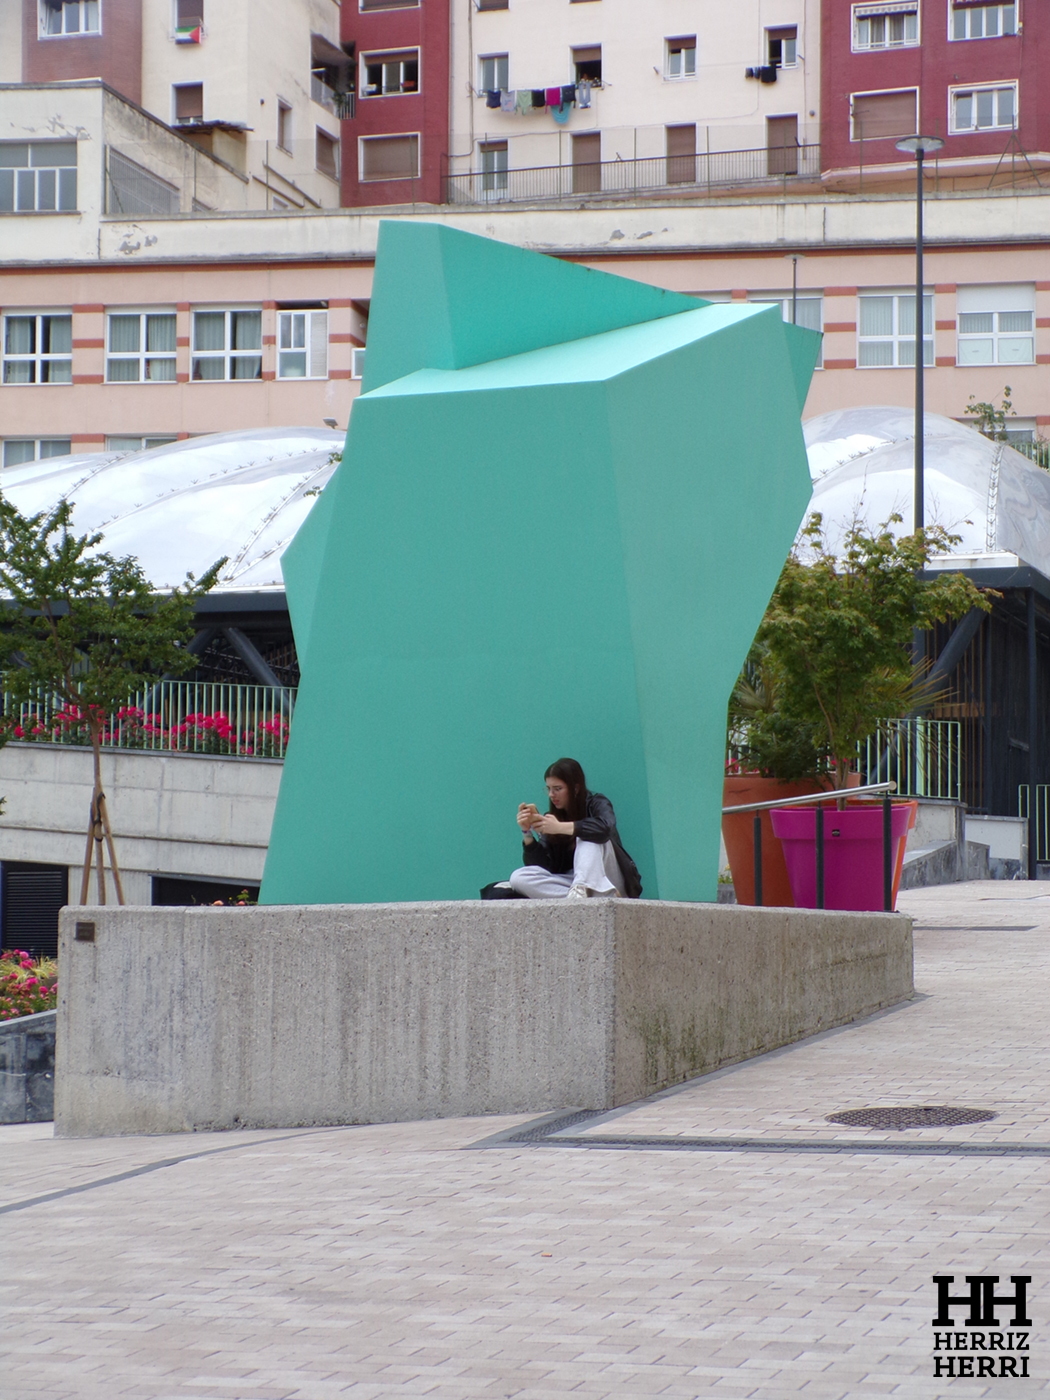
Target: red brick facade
(114, 55)
(424, 113)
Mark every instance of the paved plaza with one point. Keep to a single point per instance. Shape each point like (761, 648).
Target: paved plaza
(722, 1239)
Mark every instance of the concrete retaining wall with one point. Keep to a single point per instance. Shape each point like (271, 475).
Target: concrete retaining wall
(172, 813)
(176, 1019)
(27, 1068)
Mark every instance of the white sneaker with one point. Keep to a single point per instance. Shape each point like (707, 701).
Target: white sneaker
(578, 892)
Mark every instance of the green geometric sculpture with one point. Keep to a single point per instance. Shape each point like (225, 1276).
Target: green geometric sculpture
(564, 502)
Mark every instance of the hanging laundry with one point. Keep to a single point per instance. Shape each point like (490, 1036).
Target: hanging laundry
(568, 94)
(562, 112)
(552, 97)
(524, 102)
(492, 98)
(583, 93)
(539, 98)
(507, 101)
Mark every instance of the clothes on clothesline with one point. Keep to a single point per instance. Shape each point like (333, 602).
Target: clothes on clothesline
(507, 101)
(492, 98)
(552, 96)
(524, 100)
(583, 93)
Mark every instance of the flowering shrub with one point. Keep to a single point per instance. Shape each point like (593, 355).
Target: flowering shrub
(132, 728)
(26, 987)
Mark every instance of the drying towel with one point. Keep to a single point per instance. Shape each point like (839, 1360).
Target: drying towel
(562, 112)
(507, 101)
(524, 102)
(539, 97)
(492, 98)
(552, 97)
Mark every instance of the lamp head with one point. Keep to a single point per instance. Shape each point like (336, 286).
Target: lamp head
(914, 144)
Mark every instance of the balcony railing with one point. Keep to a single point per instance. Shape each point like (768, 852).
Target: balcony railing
(340, 104)
(922, 756)
(242, 721)
(1036, 452)
(697, 174)
(1042, 817)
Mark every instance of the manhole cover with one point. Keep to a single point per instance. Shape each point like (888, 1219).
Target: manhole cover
(912, 1116)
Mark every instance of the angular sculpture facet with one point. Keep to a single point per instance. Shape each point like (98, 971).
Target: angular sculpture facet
(564, 503)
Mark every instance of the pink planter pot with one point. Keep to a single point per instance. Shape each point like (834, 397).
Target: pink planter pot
(852, 854)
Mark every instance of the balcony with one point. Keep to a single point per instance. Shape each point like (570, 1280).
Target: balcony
(340, 104)
(677, 174)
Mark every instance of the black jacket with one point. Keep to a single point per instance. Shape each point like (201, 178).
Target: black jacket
(554, 853)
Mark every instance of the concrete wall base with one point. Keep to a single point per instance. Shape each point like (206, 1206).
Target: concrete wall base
(27, 1068)
(176, 1019)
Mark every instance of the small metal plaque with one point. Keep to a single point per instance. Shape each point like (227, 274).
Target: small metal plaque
(84, 932)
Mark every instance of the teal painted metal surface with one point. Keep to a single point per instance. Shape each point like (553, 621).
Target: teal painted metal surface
(563, 550)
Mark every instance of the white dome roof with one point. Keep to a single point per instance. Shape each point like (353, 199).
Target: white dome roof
(179, 508)
(862, 461)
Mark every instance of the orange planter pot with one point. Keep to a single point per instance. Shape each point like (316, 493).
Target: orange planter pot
(738, 834)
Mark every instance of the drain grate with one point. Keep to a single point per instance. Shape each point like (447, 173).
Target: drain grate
(911, 1116)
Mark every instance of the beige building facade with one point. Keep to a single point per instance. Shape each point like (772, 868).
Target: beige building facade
(669, 79)
(262, 317)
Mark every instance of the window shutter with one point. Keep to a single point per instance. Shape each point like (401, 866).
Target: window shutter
(883, 114)
(318, 345)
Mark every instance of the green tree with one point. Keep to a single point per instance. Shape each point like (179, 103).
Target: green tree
(88, 629)
(834, 647)
(988, 419)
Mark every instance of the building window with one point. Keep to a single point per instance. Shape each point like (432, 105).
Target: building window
(302, 344)
(681, 57)
(389, 4)
(587, 64)
(983, 109)
(996, 325)
(38, 176)
(38, 349)
(782, 47)
(188, 101)
(877, 116)
(887, 330)
(389, 157)
(62, 17)
(327, 154)
(141, 347)
(19, 450)
(284, 125)
(493, 168)
(188, 12)
(493, 5)
(809, 312)
(137, 444)
(983, 21)
(492, 73)
(390, 74)
(227, 345)
(357, 360)
(886, 26)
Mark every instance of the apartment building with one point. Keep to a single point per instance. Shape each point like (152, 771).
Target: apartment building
(119, 331)
(260, 84)
(969, 72)
(561, 97)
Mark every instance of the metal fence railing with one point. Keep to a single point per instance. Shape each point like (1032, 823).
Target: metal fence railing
(681, 174)
(922, 756)
(1042, 817)
(1037, 452)
(243, 721)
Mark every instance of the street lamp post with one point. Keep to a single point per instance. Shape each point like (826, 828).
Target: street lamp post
(918, 146)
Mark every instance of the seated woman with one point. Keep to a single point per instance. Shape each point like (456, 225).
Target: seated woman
(573, 851)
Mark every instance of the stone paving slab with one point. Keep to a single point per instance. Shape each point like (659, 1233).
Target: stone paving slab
(403, 1260)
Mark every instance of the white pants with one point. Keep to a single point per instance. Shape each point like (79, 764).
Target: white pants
(592, 865)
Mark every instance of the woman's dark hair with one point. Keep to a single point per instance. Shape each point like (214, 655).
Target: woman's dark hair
(571, 774)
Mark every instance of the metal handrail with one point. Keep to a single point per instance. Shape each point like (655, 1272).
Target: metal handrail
(810, 797)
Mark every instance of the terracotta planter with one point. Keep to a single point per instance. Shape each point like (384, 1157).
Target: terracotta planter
(852, 853)
(738, 834)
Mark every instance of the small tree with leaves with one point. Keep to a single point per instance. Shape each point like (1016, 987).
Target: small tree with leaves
(88, 629)
(988, 419)
(834, 648)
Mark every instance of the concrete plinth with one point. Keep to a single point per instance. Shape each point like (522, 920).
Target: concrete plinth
(176, 1019)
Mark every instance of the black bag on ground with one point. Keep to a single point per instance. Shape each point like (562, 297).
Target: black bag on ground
(499, 889)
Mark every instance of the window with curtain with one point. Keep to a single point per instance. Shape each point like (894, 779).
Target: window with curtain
(141, 347)
(984, 109)
(226, 345)
(983, 21)
(886, 333)
(302, 344)
(19, 450)
(879, 116)
(390, 158)
(60, 18)
(996, 325)
(38, 348)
